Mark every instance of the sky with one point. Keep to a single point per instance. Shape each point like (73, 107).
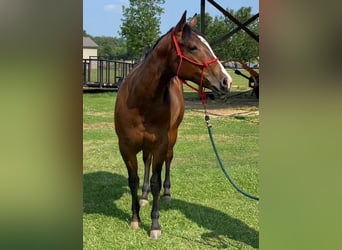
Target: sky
(103, 17)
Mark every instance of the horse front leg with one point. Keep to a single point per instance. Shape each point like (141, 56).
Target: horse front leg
(155, 183)
(147, 158)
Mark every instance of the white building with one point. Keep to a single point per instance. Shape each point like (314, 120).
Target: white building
(89, 48)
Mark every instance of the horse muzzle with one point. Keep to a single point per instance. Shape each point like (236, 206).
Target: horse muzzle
(221, 90)
(225, 84)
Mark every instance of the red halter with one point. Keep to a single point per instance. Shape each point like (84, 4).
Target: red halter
(203, 65)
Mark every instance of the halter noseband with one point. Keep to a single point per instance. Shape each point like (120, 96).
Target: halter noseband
(202, 65)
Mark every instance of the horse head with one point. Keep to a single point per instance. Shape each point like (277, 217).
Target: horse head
(196, 60)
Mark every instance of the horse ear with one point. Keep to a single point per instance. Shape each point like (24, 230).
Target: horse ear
(180, 25)
(193, 21)
(186, 32)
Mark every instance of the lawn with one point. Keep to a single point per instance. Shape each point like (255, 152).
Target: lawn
(205, 211)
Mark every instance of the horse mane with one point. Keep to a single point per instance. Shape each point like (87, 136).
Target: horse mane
(148, 50)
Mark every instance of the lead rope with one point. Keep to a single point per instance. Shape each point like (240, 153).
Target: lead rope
(204, 102)
(224, 170)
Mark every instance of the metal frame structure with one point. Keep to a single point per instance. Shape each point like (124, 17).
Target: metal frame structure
(241, 26)
(254, 78)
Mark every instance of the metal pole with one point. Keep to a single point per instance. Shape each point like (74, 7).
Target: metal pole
(203, 16)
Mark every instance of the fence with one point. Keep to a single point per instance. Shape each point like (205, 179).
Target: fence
(103, 73)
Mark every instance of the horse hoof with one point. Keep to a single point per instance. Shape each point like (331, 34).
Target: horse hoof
(143, 202)
(167, 198)
(135, 224)
(155, 234)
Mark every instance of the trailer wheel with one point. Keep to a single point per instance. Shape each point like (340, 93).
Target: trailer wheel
(256, 91)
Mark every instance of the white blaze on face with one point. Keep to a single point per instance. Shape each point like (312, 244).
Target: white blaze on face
(229, 78)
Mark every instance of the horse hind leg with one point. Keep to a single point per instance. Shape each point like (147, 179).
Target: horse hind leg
(167, 181)
(147, 158)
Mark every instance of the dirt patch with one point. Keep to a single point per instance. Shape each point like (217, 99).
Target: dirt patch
(98, 114)
(234, 106)
(99, 125)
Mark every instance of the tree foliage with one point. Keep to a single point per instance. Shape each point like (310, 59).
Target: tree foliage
(141, 25)
(109, 47)
(240, 46)
(85, 33)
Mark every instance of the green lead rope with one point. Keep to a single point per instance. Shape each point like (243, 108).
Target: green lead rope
(207, 119)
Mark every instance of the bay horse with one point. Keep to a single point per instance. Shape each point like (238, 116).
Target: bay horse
(150, 107)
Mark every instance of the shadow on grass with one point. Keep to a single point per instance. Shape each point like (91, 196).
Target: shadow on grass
(220, 224)
(102, 189)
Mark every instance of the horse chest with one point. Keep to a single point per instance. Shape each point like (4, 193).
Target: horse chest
(155, 129)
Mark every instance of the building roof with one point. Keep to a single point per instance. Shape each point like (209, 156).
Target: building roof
(89, 43)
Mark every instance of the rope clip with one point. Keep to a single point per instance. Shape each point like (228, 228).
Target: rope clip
(207, 120)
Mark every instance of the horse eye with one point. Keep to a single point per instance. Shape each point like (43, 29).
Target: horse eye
(192, 48)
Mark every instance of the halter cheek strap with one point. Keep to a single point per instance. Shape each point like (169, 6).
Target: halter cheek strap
(202, 65)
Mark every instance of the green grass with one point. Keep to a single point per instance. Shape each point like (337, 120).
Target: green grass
(239, 83)
(205, 211)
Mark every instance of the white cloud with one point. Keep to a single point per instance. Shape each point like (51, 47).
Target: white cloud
(115, 8)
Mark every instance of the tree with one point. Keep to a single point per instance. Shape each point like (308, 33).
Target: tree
(239, 46)
(85, 33)
(141, 25)
(244, 47)
(111, 48)
(120, 49)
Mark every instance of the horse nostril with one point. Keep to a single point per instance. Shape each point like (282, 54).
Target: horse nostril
(224, 83)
